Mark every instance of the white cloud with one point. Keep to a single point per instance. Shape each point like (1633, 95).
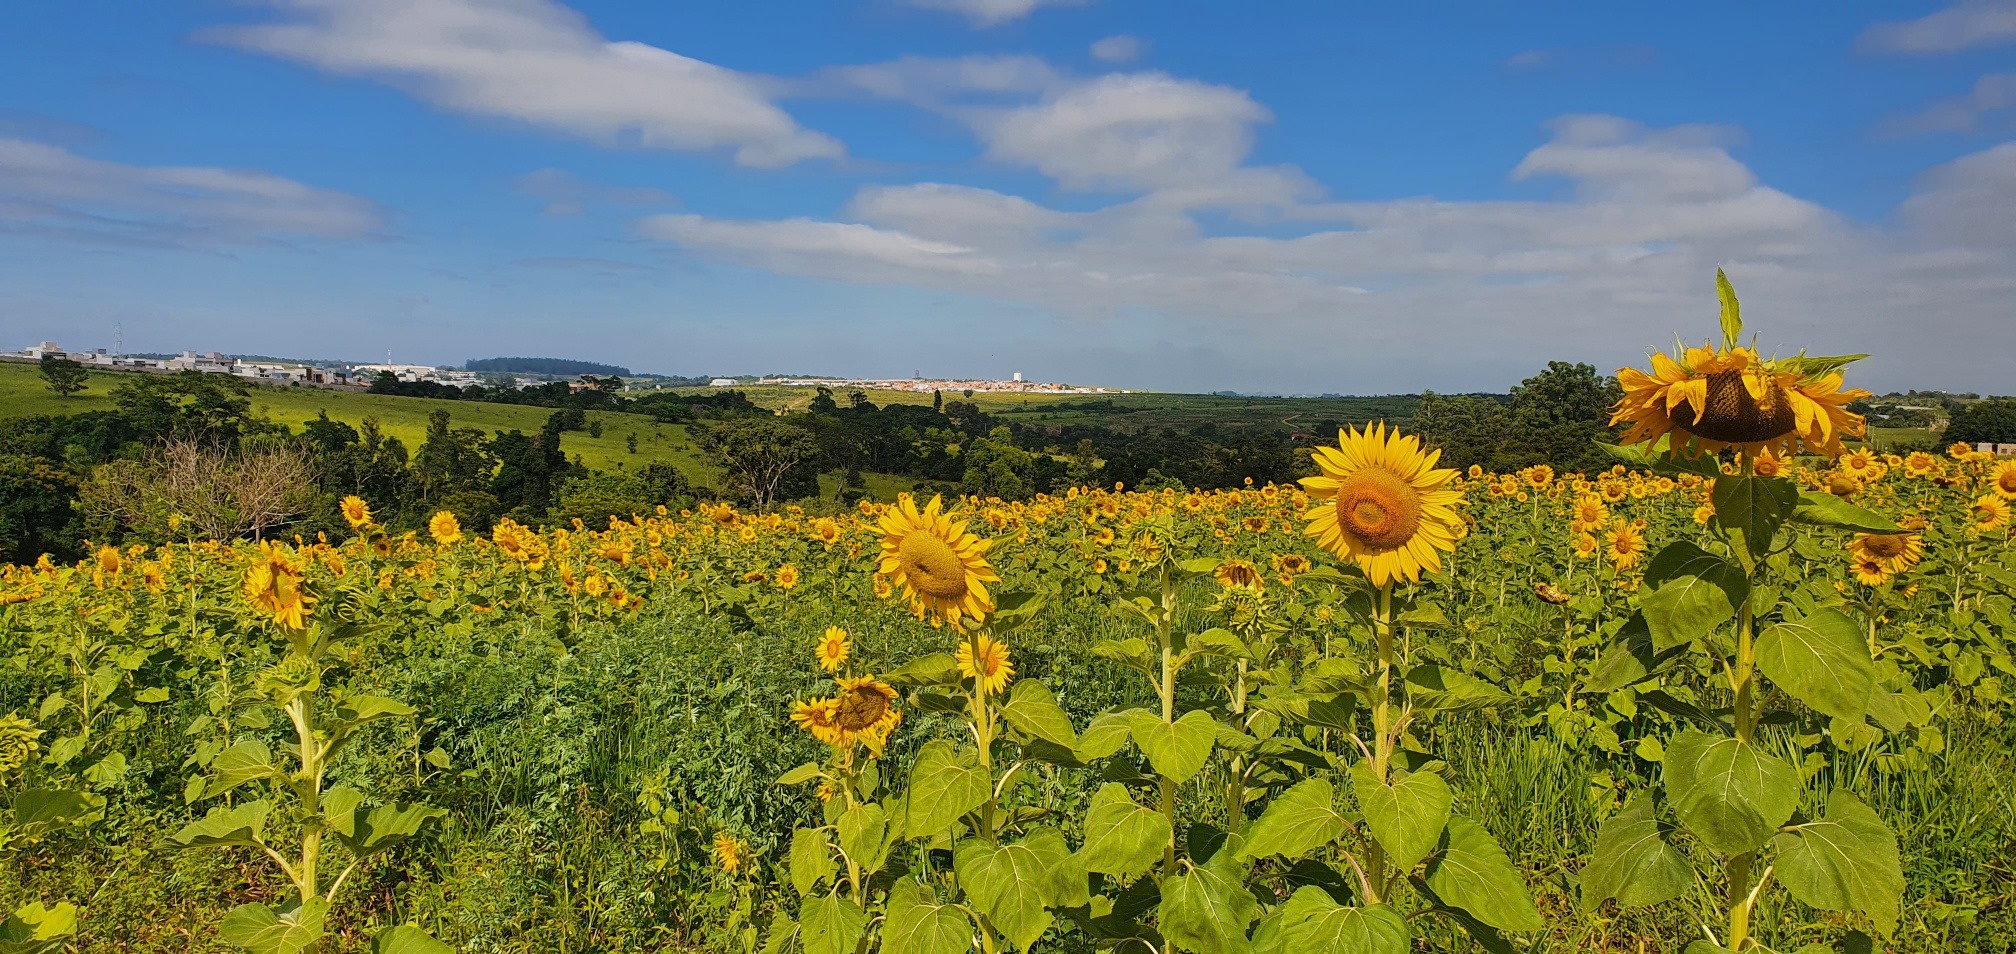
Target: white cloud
(1129, 131)
(1617, 263)
(935, 82)
(823, 249)
(1992, 93)
(537, 62)
(991, 13)
(52, 192)
(1965, 25)
(1121, 48)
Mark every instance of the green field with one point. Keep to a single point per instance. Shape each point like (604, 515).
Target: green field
(22, 393)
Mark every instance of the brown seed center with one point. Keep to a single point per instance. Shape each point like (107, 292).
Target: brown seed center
(1733, 416)
(1377, 507)
(931, 565)
(860, 708)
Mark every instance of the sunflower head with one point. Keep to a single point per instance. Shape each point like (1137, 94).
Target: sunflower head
(730, 853)
(1870, 572)
(833, 649)
(1896, 551)
(18, 742)
(864, 705)
(1989, 514)
(1625, 544)
(940, 567)
(984, 659)
(2003, 480)
(444, 528)
(1389, 509)
(1711, 398)
(356, 512)
(273, 587)
(787, 576)
(1240, 574)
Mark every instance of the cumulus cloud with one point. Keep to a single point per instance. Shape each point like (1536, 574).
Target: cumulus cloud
(991, 13)
(1965, 25)
(1993, 93)
(1121, 48)
(937, 82)
(49, 191)
(539, 63)
(1128, 130)
(1615, 263)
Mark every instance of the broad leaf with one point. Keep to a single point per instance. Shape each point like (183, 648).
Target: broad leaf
(39, 811)
(1727, 792)
(1314, 923)
(34, 929)
(935, 669)
(1406, 813)
(1436, 687)
(1122, 838)
(1010, 884)
(407, 939)
(1692, 592)
(243, 762)
(831, 925)
(1297, 822)
(1207, 909)
(1821, 660)
(1846, 861)
(1468, 870)
(800, 775)
(1827, 510)
(243, 824)
(1105, 736)
(1753, 508)
(262, 930)
(1630, 658)
(1034, 710)
(379, 827)
(917, 924)
(1177, 750)
(944, 784)
(811, 859)
(864, 835)
(1633, 862)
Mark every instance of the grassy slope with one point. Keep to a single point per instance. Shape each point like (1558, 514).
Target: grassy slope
(22, 393)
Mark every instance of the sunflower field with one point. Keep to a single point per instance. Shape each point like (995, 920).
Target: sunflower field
(1747, 690)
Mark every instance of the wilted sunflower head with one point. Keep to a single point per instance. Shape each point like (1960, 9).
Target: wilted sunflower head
(1711, 398)
(1549, 594)
(941, 568)
(1391, 511)
(18, 742)
(1240, 574)
(862, 704)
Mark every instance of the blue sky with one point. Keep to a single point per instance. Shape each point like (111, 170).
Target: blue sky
(1177, 195)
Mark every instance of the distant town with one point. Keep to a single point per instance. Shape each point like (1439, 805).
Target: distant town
(336, 374)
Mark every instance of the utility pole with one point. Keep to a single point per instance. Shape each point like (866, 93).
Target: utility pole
(119, 338)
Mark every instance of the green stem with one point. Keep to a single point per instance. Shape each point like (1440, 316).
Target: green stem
(1382, 730)
(1167, 686)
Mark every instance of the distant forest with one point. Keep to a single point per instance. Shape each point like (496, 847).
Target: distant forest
(559, 366)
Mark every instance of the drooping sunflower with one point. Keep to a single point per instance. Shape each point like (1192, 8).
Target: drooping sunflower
(356, 512)
(864, 705)
(2003, 480)
(273, 587)
(1390, 510)
(729, 852)
(1625, 544)
(444, 528)
(1898, 551)
(1240, 574)
(833, 649)
(984, 660)
(941, 568)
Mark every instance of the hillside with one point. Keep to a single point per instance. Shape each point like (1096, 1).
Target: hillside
(22, 393)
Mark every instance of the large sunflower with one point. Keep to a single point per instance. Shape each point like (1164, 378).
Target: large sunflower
(1715, 398)
(1896, 551)
(941, 568)
(1390, 510)
(2003, 480)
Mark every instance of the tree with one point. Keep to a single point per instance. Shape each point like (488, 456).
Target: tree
(218, 491)
(35, 509)
(64, 376)
(1984, 422)
(759, 453)
(191, 405)
(451, 460)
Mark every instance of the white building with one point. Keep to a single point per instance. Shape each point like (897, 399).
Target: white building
(209, 362)
(722, 383)
(411, 373)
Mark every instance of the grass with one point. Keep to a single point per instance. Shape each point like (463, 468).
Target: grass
(1884, 438)
(22, 393)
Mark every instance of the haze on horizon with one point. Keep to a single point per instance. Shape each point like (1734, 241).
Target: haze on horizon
(1184, 196)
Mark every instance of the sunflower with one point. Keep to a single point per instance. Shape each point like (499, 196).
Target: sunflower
(984, 660)
(1959, 450)
(273, 587)
(18, 745)
(444, 528)
(833, 649)
(1625, 544)
(864, 704)
(1614, 491)
(1704, 513)
(1548, 593)
(1586, 545)
(941, 567)
(1539, 476)
(787, 577)
(1293, 564)
(1990, 513)
(1898, 551)
(1240, 574)
(1767, 464)
(1920, 464)
(729, 852)
(1861, 462)
(883, 588)
(826, 530)
(1256, 524)
(1843, 484)
(1589, 513)
(1390, 509)
(1871, 572)
(821, 718)
(2003, 480)
(356, 512)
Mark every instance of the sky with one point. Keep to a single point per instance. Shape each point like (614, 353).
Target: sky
(1164, 194)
